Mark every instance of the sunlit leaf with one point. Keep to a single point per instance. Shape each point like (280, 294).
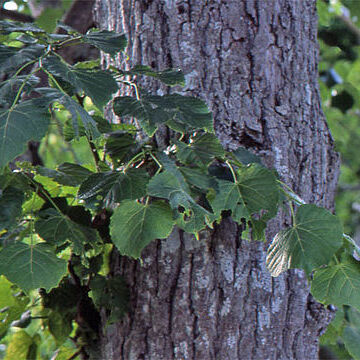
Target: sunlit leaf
(12, 306)
(19, 346)
(134, 225)
(311, 242)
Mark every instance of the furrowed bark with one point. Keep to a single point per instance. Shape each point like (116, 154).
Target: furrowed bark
(255, 64)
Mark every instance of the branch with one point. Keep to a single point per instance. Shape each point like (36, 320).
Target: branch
(15, 15)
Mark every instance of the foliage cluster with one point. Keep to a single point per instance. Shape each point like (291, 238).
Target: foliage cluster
(59, 225)
(339, 36)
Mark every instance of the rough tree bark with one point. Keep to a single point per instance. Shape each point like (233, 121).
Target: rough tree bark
(255, 64)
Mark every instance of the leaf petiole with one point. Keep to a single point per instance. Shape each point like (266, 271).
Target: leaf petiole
(232, 171)
(157, 163)
(134, 159)
(22, 87)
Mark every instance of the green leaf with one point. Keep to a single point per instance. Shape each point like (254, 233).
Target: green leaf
(112, 294)
(99, 85)
(66, 174)
(337, 324)
(11, 304)
(181, 113)
(134, 225)
(7, 52)
(57, 228)
(7, 27)
(198, 178)
(118, 145)
(338, 284)
(351, 338)
(51, 95)
(10, 87)
(185, 113)
(352, 315)
(11, 201)
(76, 112)
(107, 189)
(27, 39)
(88, 64)
(189, 215)
(26, 121)
(66, 352)
(16, 59)
(109, 42)
(169, 77)
(60, 326)
(245, 157)
(148, 116)
(311, 242)
(31, 266)
(255, 191)
(170, 165)
(19, 346)
(202, 151)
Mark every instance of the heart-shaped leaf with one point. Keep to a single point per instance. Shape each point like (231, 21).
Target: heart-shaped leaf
(56, 229)
(338, 284)
(311, 242)
(20, 124)
(189, 215)
(169, 77)
(66, 174)
(108, 188)
(134, 225)
(98, 85)
(255, 190)
(31, 266)
(11, 200)
(50, 95)
(202, 151)
(109, 42)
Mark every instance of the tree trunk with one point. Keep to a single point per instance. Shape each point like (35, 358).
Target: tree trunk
(255, 64)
